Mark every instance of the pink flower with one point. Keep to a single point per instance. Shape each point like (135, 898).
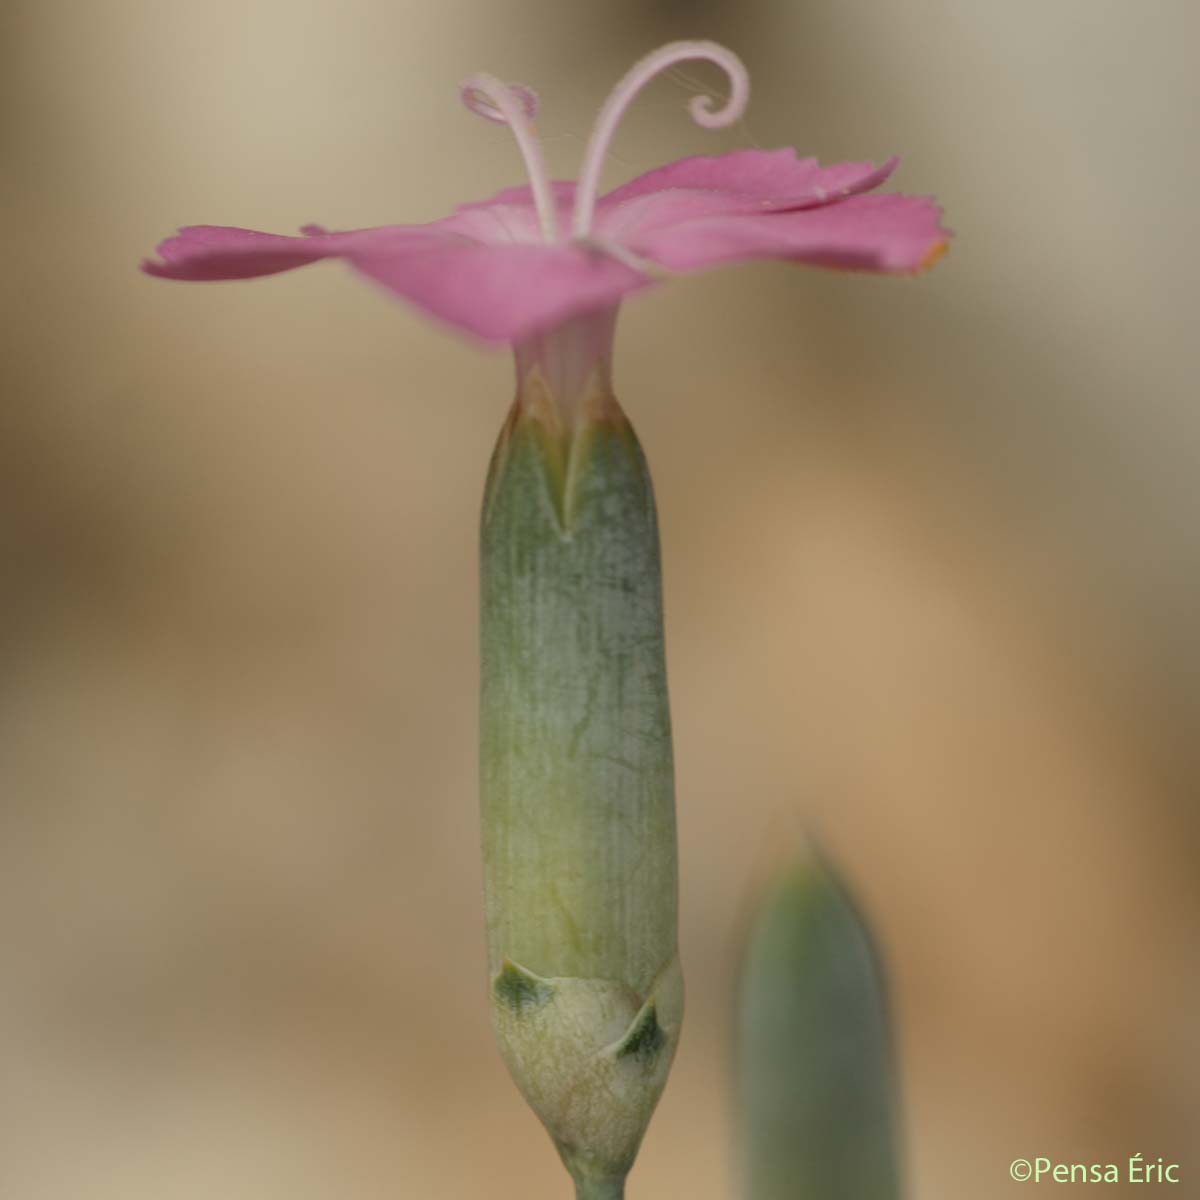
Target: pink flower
(529, 261)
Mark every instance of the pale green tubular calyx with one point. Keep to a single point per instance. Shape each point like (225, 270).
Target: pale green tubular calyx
(577, 780)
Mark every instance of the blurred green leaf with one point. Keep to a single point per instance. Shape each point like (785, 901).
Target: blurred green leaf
(817, 1109)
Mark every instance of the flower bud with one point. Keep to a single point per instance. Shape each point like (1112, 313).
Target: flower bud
(817, 1106)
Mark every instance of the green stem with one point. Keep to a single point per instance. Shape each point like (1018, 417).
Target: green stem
(599, 1189)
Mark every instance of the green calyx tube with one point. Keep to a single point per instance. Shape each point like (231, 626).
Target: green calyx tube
(577, 785)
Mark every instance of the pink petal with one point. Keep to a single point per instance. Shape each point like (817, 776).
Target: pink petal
(889, 233)
(461, 269)
(563, 191)
(746, 181)
(210, 252)
(502, 293)
(764, 179)
(705, 185)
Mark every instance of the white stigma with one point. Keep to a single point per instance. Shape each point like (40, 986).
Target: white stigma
(701, 108)
(516, 106)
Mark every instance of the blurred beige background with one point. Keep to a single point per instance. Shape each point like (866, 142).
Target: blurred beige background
(931, 570)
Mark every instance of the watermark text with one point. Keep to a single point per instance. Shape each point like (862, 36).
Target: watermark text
(1136, 1169)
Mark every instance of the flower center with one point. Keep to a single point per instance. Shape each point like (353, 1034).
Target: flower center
(515, 106)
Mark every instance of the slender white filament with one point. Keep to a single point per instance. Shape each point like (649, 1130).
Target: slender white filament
(516, 106)
(614, 250)
(701, 108)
